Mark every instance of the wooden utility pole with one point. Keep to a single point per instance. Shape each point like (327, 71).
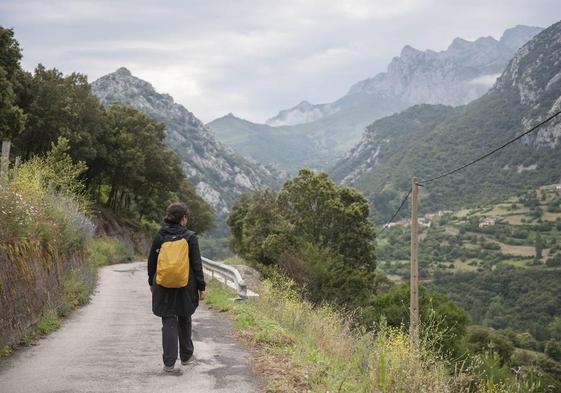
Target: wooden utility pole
(414, 307)
(5, 159)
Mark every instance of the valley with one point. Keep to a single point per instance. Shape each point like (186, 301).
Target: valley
(302, 198)
(501, 262)
(522, 231)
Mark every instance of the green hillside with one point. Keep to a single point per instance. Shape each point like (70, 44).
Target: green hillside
(319, 144)
(508, 233)
(278, 146)
(428, 140)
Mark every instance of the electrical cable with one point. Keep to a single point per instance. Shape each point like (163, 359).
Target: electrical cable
(492, 151)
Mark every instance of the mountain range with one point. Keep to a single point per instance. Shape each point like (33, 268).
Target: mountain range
(219, 174)
(422, 139)
(426, 140)
(463, 72)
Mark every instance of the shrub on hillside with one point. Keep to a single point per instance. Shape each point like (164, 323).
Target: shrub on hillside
(443, 322)
(46, 203)
(16, 213)
(316, 232)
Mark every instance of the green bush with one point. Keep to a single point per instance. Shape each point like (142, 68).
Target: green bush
(48, 323)
(45, 203)
(5, 350)
(553, 350)
(444, 323)
(76, 291)
(107, 251)
(481, 340)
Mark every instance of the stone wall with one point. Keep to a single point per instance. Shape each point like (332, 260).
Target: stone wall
(31, 281)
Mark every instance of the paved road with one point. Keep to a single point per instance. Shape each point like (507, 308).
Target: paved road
(114, 345)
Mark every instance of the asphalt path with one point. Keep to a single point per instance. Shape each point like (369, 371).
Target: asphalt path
(113, 344)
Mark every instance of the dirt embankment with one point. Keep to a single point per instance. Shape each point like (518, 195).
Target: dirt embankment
(128, 232)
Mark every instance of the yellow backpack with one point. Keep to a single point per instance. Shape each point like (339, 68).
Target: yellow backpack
(173, 263)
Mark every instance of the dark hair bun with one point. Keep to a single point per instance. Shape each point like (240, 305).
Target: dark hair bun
(175, 212)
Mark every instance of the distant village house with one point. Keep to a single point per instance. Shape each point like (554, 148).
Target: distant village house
(440, 213)
(490, 221)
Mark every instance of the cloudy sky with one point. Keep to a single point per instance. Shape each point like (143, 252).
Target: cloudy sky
(251, 57)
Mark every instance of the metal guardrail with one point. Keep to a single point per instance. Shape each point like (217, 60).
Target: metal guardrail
(227, 273)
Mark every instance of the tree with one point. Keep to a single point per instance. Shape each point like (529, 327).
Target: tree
(554, 261)
(331, 216)
(539, 246)
(120, 152)
(481, 339)
(314, 231)
(12, 118)
(553, 349)
(259, 232)
(60, 106)
(554, 328)
(136, 174)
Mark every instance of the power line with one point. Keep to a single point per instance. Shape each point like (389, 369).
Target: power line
(492, 151)
(397, 211)
(468, 164)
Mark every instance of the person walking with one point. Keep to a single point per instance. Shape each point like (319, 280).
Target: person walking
(177, 282)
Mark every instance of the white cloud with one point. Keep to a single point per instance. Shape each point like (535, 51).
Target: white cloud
(250, 57)
(485, 80)
(379, 9)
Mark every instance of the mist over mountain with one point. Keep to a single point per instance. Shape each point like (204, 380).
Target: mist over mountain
(428, 139)
(218, 173)
(461, 73)
(455, 76)
(302, 113)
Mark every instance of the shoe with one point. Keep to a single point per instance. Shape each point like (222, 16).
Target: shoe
(187, 361)
(171, 370)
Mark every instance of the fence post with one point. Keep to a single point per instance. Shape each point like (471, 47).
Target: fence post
(414, 307)
(15, 171)
(5, 159)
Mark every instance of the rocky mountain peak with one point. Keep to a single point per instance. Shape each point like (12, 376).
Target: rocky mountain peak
(123, 72)
(219, 174)
(517, 36)
(409, 52)
(527, 92)
(458, 42)
(304, 105)
(534, 76)
(461, 73)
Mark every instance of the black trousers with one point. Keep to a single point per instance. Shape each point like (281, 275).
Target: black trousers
(174, 328)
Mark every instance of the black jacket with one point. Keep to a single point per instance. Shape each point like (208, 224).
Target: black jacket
(176, 301)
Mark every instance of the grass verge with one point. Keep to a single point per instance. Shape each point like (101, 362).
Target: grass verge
(300, 347)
